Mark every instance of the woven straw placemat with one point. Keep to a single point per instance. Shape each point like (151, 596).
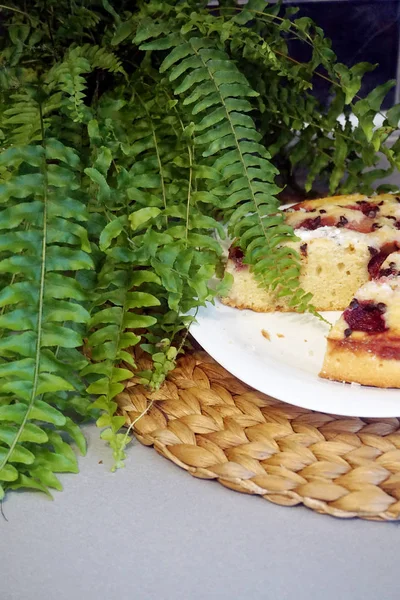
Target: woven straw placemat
(216, 427)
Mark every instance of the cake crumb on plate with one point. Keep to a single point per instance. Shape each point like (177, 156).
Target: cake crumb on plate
(265, 334)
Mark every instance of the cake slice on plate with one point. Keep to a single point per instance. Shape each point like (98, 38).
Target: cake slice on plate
(364, 344)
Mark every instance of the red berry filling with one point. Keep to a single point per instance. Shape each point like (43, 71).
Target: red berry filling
(378, 259)
(369, 209)
(303, 249)
(237, 255)
(391, 270)
(364, 226)
(316, 223)
(365, 316)
(304, 206)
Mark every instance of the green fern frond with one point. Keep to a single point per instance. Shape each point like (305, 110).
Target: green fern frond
(101, 58)
(68, 77)
(78, 22)
(22, 119)
(171, 265)
(42, 312)
(115, 307)
(112, 334)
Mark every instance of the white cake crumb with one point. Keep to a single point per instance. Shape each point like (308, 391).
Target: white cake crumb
(341, 236)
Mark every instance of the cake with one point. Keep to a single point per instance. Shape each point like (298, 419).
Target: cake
(364, 344)
(342, 241)
(349, 248)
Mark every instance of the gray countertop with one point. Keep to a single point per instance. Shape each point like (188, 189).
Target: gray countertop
(151, 531)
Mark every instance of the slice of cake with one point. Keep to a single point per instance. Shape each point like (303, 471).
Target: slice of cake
(364, 344)
(342, 242)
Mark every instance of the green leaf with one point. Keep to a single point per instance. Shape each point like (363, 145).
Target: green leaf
(351, 78)
(46, 478)
(66, 311)
(66, 259)
(108, 333)
(148, 28)
(69, 208)
(44, 412)
(393, 115)
(29, 483)
(31, 433)
(55, 150)
(18, 455)
(128, 339)
(76, 434)
(103, 160)
(120, 375)
(8, 473)
(60, 287)
(107, 315)
(124, 30)
(52, 383)
(21, 186)
(141, 299)
(142, 216)
(143, 277)
(111, 231)
(14, 413)
(162, 44)
(176, 55)
(58, 335)
(133, 321)
(109, 8)
(99, 179)
(60, 463)
(367, 125)
(18, 320)
(339, 157)
(376, 97)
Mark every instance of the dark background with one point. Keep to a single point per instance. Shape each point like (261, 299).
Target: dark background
(360, 30)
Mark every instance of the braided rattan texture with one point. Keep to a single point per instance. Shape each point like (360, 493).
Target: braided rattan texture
(215, 427)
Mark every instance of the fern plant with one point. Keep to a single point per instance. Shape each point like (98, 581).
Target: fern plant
(133, 141)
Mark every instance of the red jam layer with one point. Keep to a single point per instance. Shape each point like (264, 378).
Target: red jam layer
(383, 346)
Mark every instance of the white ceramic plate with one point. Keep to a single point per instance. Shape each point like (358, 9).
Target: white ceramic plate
(286, 367)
